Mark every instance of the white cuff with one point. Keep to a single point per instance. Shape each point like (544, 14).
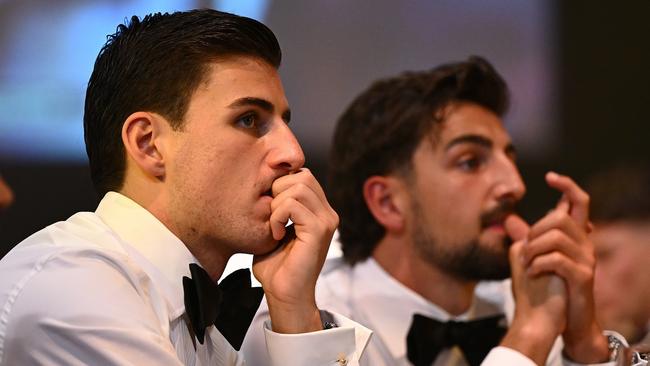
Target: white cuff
(337, 346)
(500, 356)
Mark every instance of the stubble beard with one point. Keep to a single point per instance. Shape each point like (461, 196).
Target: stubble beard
(468, 261)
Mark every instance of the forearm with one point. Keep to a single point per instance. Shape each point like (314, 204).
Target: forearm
(289, 318)
(533, 341)
(589, 348)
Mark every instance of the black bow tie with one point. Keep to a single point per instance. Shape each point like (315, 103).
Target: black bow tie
(427, 337)
(230, 306)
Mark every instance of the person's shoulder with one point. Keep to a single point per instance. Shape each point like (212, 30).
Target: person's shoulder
(82, 235)
(63, 261)
(59, 280)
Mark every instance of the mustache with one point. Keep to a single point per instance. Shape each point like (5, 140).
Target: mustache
(499, 213)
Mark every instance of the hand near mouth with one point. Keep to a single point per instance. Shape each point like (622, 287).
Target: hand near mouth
(288, 274)
(541, 301)
(559, 244)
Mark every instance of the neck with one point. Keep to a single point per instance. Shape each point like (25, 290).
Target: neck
(202, 248)
(405, 265)
(214, 263)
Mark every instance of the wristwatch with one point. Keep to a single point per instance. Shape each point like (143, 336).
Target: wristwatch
(327, 319)
(615, 346)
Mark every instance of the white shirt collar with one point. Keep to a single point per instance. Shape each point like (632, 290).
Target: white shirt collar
(166, 258)
(389, 306)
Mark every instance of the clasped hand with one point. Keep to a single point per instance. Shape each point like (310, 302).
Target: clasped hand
(288, 275)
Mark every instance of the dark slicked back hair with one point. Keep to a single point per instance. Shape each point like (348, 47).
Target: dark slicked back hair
(380, 131)
(155, 64)
(620, 193)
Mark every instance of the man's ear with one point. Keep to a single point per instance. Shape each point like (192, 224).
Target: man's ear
(386, 201)
(140, 134)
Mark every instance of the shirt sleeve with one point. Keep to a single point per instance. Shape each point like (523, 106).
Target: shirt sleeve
(85, 310)
(500, 356)
(342, 345)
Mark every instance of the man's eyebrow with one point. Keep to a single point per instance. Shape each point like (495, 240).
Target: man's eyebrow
(470, 139)
(260, 103)
(252, 101)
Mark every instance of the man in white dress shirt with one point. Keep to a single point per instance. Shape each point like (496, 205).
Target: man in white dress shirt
(423, 176)
(186, 129)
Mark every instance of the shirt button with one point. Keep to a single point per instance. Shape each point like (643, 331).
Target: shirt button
(342, 360)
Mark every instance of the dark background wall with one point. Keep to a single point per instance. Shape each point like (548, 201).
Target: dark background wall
(602, 60)
(604, 85)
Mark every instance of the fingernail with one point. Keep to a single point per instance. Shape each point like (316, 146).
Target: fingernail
(552, 175)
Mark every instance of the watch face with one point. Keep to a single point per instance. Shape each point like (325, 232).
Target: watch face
(615, 345)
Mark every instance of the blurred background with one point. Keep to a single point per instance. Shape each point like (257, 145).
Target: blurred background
(578, 71)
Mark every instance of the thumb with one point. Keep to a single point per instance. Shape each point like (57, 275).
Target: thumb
(516, 227)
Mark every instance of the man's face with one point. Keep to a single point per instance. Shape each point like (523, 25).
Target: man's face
(465, 183)
(234, 143)
(622, 277)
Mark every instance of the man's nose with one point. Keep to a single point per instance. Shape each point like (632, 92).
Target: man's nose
(510, 184)
(285, 152)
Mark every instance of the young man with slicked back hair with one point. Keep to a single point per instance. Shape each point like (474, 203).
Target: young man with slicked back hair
(187, 133)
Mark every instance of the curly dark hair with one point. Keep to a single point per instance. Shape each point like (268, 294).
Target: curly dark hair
(155, 64)
(379, 132)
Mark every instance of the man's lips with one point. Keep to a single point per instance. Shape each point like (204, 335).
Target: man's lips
(496, 226)
(496, 217)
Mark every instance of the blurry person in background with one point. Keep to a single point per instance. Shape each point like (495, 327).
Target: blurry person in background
(621, 216)
(6, 194)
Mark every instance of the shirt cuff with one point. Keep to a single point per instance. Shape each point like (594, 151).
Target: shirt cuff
(567, 362)
(342, 345)
(500, 356)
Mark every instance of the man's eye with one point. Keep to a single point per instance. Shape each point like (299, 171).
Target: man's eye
(470, 164)
(248, 121)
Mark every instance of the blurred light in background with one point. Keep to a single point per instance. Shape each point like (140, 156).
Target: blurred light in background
(333, 49)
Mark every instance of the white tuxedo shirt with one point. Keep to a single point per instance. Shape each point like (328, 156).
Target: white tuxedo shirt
(105, 288)
(369, 295)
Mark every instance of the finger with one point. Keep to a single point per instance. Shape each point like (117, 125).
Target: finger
(563, 204)
(578, 199)
(303, 176)
(289, 209)
(554, 241)
(308, 227)
(306, 196)
(575, 275)
(301, 193)
(558, 219)
(516, 260)
(516, 228)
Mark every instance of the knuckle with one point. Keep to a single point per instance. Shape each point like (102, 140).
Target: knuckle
(335, 218)
(557, 236)
(561, 215)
